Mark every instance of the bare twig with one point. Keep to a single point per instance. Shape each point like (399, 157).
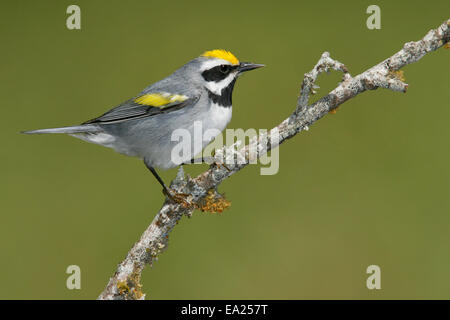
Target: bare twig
(125, 284)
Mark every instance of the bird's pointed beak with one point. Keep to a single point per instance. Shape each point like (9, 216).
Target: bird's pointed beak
(247, 66)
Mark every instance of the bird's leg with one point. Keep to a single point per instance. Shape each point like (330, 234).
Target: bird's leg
(172, 195)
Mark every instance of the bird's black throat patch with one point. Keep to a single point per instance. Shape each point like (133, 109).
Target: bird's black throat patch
(225, 97)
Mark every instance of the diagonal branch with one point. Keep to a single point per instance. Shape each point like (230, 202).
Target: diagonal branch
(125, 283)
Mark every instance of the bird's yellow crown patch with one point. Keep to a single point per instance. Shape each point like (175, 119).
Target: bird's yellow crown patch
(221, 54)
(159, 99)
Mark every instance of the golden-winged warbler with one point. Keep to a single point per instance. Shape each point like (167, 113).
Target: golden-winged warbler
(197, 93)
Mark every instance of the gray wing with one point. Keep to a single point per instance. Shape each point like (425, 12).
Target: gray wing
(145, 105)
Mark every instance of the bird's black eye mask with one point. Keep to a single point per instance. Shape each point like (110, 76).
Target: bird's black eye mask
(218, 73)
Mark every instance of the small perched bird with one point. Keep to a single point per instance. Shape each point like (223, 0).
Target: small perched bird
(200, 91)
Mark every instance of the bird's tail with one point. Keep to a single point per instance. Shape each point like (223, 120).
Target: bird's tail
(68, 130)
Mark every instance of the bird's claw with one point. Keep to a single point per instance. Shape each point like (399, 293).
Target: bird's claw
(177, 197)
(221, 164)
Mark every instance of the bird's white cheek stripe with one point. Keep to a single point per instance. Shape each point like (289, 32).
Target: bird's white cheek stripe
(216, 87)
(209, 64)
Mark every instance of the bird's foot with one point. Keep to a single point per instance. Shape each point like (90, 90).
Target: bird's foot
(220, 165)
(177, 197)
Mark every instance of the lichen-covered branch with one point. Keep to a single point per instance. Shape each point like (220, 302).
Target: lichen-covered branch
(202, 190)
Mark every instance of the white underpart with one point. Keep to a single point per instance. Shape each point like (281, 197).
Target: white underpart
(220, 116)
(196, 137)
(101, 138)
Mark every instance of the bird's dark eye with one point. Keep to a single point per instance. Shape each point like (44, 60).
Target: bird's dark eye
(224, 68)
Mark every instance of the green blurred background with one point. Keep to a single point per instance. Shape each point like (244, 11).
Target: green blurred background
(368, 185)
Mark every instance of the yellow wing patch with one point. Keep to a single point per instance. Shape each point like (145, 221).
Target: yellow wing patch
(160, 99)
(221, 54)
